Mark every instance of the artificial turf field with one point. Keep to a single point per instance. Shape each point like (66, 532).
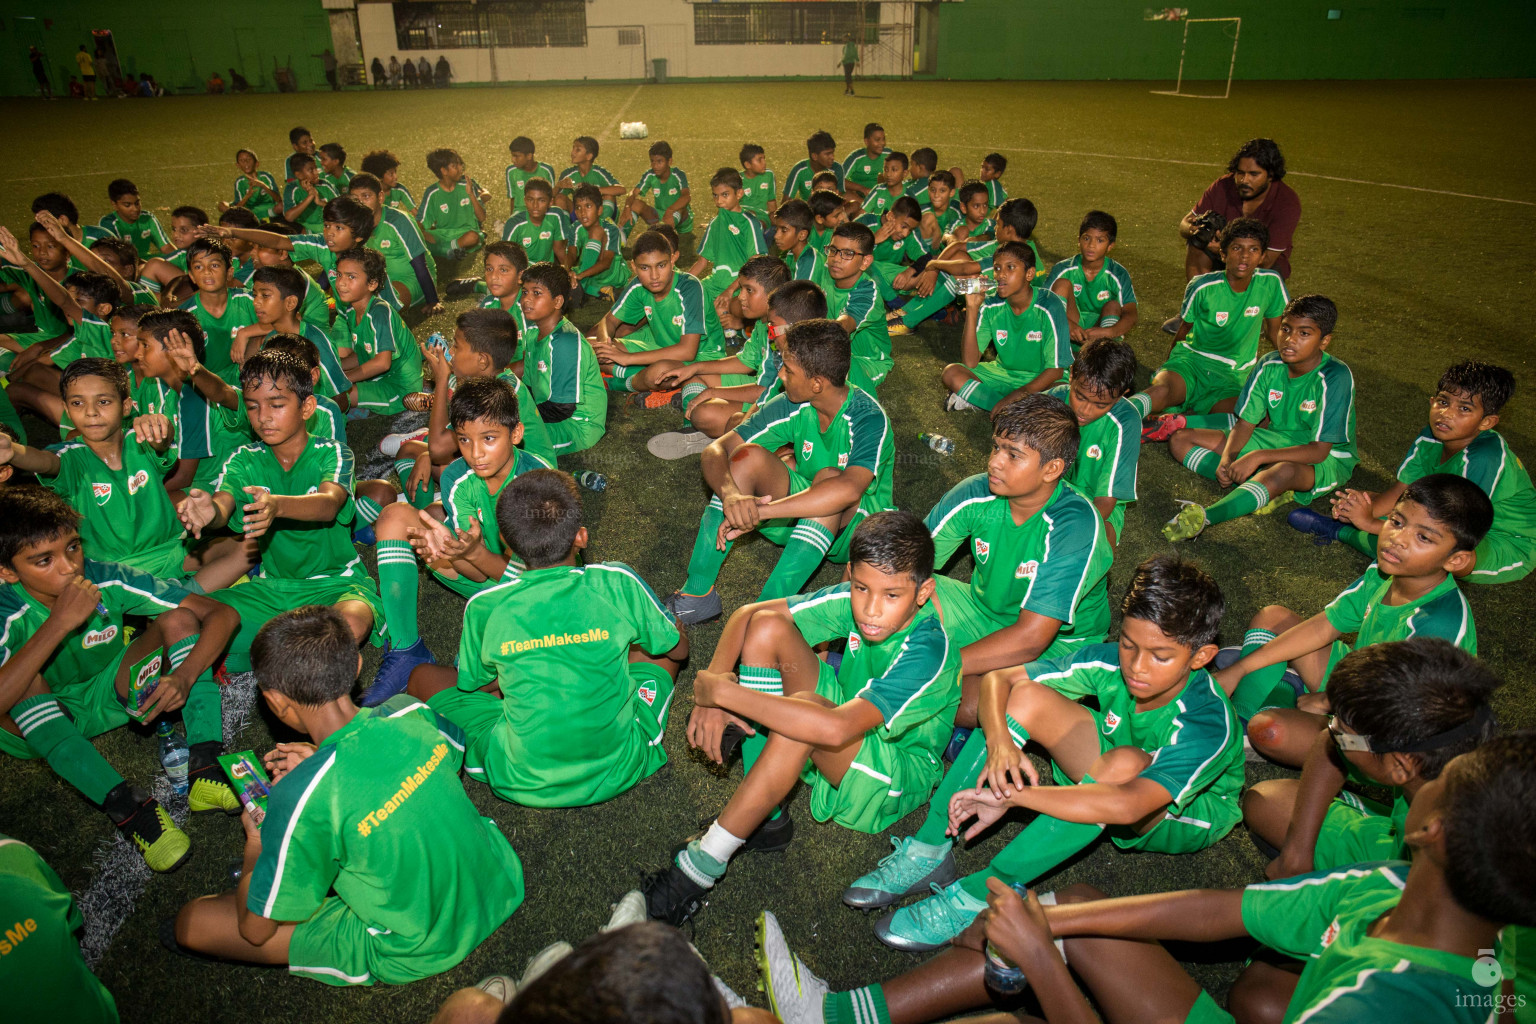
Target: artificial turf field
(1417, 221)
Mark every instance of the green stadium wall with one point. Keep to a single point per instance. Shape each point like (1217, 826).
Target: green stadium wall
(1281, 39)
(180, 43)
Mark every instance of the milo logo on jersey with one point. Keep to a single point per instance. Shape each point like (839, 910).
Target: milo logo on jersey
(1034, 336)
(1095, 452)
(136, 481)
(1329, 934)
(102, 493)
(1026, 570)
(1102, 296)
(97, 637)
(1309, 406)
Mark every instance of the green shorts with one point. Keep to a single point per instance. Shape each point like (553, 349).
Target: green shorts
(884, 784)
(1330, 474)
(332, 946)
(163, 562)
(261, 600)
(1503, 558)
(1117, 519)
(92, 704)
(1206, 381)
(380, 396)
(868, 373)
(998, 377)
(1207, 1011)
(465, 588)
(778, 531)
(1355, 831)
(445, 248)
(574, 434)
(966, 620)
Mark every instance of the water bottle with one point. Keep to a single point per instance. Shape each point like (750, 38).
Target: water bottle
(437, 341)
(592, 480)
(1002, 975)
(173, 756)
(938, 442)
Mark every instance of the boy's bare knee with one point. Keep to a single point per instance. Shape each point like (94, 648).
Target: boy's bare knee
(176, 624)
(1120, 765)
(396, 517)
(1080, 893)
(1273, 617)
(1266, 731)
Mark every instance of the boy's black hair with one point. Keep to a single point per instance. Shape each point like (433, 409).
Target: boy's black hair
(824, 202)
(1245, 227)
(299, 161)
(669, 232)
(643, 972)
(210, 247)
(858, 234)
(871, 128)
(1456, 503)
(1041, 423)
(308, 655)
(238, 217)
(162, 322)
(726, 176)
(896, 156)
(797, 214)
(998, 161)
(894, 542)
(512, 252)
(351, 214)
(196, 214)
(554, 278)
(538, 514)
(1020, 215)
(660, 148)
(750, 151)
(121, 248)
(1019, 251)
(362, 181)
(1490, 832)
(1317, 308)
(483, 398)
(282, 369)
(538, 185)
(119, 187)
(589, 192)
(924, 156)
(295, 134)
(971, 188)
(909, 208)
(296, 345)
(109, 370)
(373, 263)
(587, 143)
(1107, 366)
(1407, 694)
(437, 159)
(58, 204)
(134, 313)
(1265, 153)
(491, 332)
(95, 289)
(820, 142)
(289, 281)
(30, 515)
(822, 348)
(943, 178)
(768, 271)
(379, 163)
(283, 226)
(1098, 220)
(824, 180)
(246, 149)
(521, 144)
(652, 241)
(798, 300)
(335, 151)
(1492, 385)
(1178, 597)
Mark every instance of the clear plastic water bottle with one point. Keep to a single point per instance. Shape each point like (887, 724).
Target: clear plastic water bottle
(1002, 975)
(438, 341)
(592, 480)
(938, 442)
(173, 756)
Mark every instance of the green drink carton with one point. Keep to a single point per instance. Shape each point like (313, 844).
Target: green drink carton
(249, 781)
(143, 680)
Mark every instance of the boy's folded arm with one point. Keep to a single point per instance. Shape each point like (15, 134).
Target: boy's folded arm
(319, 507)
(1192, 915)
(804, 721)
(1097, 803)
(370, 368)
(1017, 643)
(684, 349)
(826, 497)
(962, 266)
(1303, 638)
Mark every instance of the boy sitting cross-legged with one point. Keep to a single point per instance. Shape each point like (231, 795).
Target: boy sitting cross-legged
(559, 366)
(866, 737)
(1294, 435)
(1109, 427)
(388, 359)
(557, 644)
(853, 300)
(371, 863)
(1101, 302)
(68, 672)
(935, 284)
(306, 193)
(1158, 765)
(731, 239)
(585, 170)
(821, 155)
(662, 196)
(843, 456)
(452, 209)
(541, 228)
(1410, 590)
(396, 235)
(524, 168)
(596, 265)
(656, 324)
(757, 181)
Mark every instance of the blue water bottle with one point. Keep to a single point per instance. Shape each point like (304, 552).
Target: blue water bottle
(592, 480)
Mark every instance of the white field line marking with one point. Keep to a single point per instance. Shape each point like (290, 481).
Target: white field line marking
(622, 111)
(92, 174)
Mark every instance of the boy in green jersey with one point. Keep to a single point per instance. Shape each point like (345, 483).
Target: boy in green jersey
(829, 211)
(1101, 303)
(1295, 432)
(974, 223)
(990, 173)
(333, 166)
(412, 272)
(500, 286)
(1024, 324)
(305, 196)
(564, 381)
(934, 283)
(47, 321)
(662, 196)
(584, 170)
(941, 214)
(525, 167)
(1224, 314)
(853, 300)
(655, 325)
(1109, 429)
(1158, 764)
(1409, 591)
(821, 155)
(843, 456)
(924, 162)
(370, 864)
(452, 209)
(303, 144)
(255, 189)
(328, 420)
(565, 669)
(315, 308)
(864, 168)
(543, 230)
(388, 359)
(292, 494)
(1460, 439)
(455, 537)
(68, 671)
(791, 236)
(897, 243)
(761, 198)
(276, 294)
(146, 394)
(221, 311)
(731, 239)
(129, 220)
(866, 737)
(1039, 586)
(385, 166)
(596, 265)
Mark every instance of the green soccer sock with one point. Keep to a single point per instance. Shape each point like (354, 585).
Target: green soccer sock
(705, 562)
(861, 1006)
(981, 396)
(1222, 421)
(1363, 542)
(1243, 500)
(763, 680)
(808, 545)
(398, 583)
(1202, 461)
(368, 510)
(691, 390)
(423, 496)
(920, 308)
(961, 775)
(49, 731)
(1044, 843)
(1143, 403)
(203, 713)
(1256, 690)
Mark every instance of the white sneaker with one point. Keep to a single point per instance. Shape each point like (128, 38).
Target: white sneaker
(678, 444)
(954, 403)
(732, 1000)
(498, 986)
(389, 446)
(542, 961)
(795, 995)
(629, 910)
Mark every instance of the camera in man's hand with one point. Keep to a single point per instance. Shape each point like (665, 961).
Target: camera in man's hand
(1207, 226)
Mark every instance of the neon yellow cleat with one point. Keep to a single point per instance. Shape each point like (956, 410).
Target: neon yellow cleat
(1188, 523)
(1275, 503)
(212, 795)
(163, 846)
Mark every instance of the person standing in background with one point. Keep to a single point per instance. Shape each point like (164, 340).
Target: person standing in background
(40, 72)
(849, 59)
(87, 71)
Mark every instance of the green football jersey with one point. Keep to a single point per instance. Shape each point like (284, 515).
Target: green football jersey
(1490, 463)
(1225, 326)
(48, 319)
(88, 650)
(92, 340)
(732, 238)
(798, 184)
(447, 213)
(146, 234)
(661, 194)
(1317, 406)
(591, 250)
(1030, 341)
(535, 437)
(239, 311)
(44, 976)
(894, 250)
(561, 367)
(333, 379)
(467, 496)
(598, 176)
(858, 435)
(556, 640)
(426, 880)
(666, 317)
(947, 219)
(524, 333)
(151, 395)
(517, 179)
(291, 549)
(262, 202)
(312, 220)
(763, 357)
(340, 180)
(400, 198)
(758, 190)
(871, 338)
(1112, 283)
(1362, 609)
(1325, 918)
(380, 329)
(316, 309)
(1107, 451)
(397, 238)
(327, 421)
(880, 199)
(1195, 739)
(126, 515)
(917, 188)
(1055, 563)
(862, 169)
(538, 240)
(206, 431)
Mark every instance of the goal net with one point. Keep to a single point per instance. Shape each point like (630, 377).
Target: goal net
(1207, 58)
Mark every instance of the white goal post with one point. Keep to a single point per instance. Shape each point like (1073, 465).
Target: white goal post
(1237, 26)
